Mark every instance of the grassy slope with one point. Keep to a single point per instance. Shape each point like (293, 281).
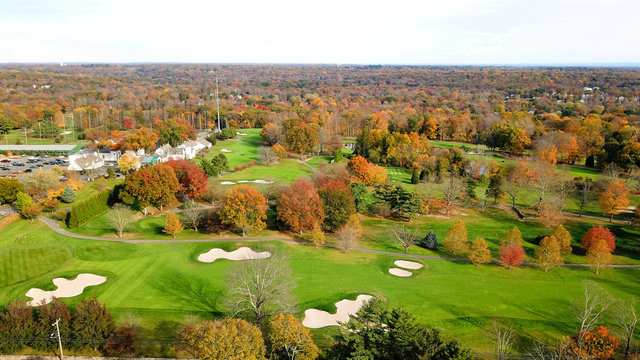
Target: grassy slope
(163, 283)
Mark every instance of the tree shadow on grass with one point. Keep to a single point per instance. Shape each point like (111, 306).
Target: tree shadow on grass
(193, 291)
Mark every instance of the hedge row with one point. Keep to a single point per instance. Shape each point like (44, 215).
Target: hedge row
(85, 210)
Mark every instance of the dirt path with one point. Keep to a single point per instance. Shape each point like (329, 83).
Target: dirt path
(56, 228)
(313, 170)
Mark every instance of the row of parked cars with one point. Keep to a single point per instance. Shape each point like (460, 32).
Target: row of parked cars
(13, 166)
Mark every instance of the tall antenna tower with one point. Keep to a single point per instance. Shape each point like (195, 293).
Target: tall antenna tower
(218, 105)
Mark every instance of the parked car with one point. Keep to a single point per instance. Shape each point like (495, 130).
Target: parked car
(5, 160)
(27, 170)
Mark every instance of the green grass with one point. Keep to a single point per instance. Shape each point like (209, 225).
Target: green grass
(244, 149)
(452, 144)
(288, 170)
(32, 139)
(163, 283)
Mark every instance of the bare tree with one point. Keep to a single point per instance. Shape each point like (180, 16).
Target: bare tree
(348, 236)
(119, 219)
(502, 335)
(542, 351)
(543, 180)
(268, 156)
(453, 190)
(626, 318)
(262, 287)
(595, 303)
(584, 193)
(192, 216)
(403, 236)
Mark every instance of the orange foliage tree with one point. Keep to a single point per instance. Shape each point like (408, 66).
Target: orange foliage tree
(245, 207)
(597, 233)
(599, 255)
(614, 198)
(596, 345)
(300, 207)
(365, 172)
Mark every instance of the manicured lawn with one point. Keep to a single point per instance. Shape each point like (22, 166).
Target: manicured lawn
(163, 284)
(241, 151)
(452, 144)
(33, 139)
(288, 170)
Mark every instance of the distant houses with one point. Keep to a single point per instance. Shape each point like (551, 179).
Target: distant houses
(89, 159)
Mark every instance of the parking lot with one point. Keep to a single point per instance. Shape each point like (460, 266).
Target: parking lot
(15, 166)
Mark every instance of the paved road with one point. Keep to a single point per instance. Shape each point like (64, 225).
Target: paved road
(55, 227)
(313, 170)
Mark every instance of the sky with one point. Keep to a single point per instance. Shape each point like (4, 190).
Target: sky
(328, 31)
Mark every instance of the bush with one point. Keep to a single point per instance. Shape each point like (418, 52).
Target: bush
(86, 210)
(110, 172)
(337, 155)
(227, 133)
(68, 195)
(9, 188)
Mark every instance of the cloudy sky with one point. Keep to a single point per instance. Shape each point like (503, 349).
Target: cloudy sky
(327, 31)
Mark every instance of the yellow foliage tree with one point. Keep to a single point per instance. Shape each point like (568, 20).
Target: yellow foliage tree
(317, 235)
(172, 224)
(480, 253)
(228, 339)
(456, 240)
(599, 255)
(128, 161)
(549, 253)
(513, 236)
(289, 339)
(563, 237)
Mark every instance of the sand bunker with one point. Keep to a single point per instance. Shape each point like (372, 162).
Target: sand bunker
(225, 150)
(66, 288)
(400, 272)
(243, 181)
(227, 183)
(243, 253)
(314, 318)
(412, 265)
(242, 134)
(260, 181)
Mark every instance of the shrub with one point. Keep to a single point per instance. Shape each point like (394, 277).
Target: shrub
(68, 195)
(9, 188)
(337, 155)
(86, 210)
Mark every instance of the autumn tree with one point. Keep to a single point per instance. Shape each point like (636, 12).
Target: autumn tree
(268, 156)
(41, 181)
(597, 233)
(348, 236)
(614, 199)
(550, 212)
(457, 240)
(599, 254)
(301, 139)
(192, 179)
(597, 345)
(300, 206)
(128, 161)
(516, 178)
(479, 253)
(265, 298)
(155, 185)
(172, 225)
(288, 339)
(92, 323)
(549, 253)
(316, 237)
(192, 216)
(363, 171)
(232, 339)
(511, 254)
(563, 237)
(119, 219)
(9, 188)
(244, 207)
(453, 190)
(512, 236)
(47, 315)
(141, 138)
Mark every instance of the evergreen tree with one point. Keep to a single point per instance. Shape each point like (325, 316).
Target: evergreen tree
(360, 196)
(494, 189)
(415, 176)
(430, 241)
(337, 155)
(68, 195)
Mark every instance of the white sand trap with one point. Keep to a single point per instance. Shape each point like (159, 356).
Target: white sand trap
(227, 183)
(242, 134)
(225, 150)
(315, 319)
(243, 253)
(260, 181)
(400, 272)
(66, 288)
(243, 181)
(412, 265)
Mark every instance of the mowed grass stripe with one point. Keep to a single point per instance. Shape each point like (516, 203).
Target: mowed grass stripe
(19, 264)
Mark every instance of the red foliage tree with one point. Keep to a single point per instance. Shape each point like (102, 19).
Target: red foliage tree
(192, 179)
(300, 207)
(511, 254)
(128, 123)
(597, 233)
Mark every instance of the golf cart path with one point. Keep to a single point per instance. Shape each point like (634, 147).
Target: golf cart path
(56, 228)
